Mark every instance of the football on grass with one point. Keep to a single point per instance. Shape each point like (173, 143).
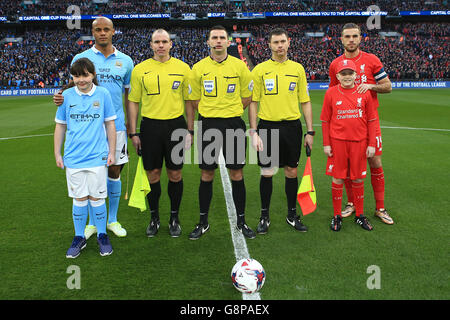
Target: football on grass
(248, 276)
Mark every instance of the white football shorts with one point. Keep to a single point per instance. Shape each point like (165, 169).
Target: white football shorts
(121, 148)
(87, 182)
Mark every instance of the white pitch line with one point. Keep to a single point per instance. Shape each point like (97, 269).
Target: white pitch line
(404, 128)
(31, 136)
(314, 125)
(411, 128)
(401, 128)
(240, 246)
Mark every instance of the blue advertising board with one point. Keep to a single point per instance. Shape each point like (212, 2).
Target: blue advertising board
(311, 86)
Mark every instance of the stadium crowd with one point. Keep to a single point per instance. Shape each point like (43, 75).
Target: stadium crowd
(45, 7)
(420, 53)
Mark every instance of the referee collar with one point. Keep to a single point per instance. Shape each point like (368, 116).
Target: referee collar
(170, 58)
(279, 62)
(219, 61)
(90, 93)
(96, 51)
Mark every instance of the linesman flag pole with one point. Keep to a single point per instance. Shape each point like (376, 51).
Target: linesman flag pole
(306, 194)
(128, 177)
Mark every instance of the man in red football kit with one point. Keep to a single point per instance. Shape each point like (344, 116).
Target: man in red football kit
(370, 77)
(349, 128)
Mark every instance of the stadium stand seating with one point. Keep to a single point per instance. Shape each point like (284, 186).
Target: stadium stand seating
(43, 7)
(34, 56)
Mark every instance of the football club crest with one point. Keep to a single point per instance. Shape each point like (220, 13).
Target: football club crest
(119, 64)
(208, 85)
(175, 85)
(96, 104)
(231, 88)
(359, 100)
(270, 84)
(362, 68)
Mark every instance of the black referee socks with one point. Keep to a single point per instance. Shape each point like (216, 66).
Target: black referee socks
(153, 199)
(290, 188)
(239, 196)
(205, 191)
(265, 191)
(175, 191)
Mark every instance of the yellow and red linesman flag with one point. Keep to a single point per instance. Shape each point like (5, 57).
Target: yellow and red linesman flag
(141, 188)
(306, 194)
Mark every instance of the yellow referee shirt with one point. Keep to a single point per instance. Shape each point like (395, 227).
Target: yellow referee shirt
(161, 87)
(279, 88)
(220, 86)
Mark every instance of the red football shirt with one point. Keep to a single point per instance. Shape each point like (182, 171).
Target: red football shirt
(348, 115)
(369, 70)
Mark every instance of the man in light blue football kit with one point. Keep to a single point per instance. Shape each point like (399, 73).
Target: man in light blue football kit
(113, 70)
(86, 119)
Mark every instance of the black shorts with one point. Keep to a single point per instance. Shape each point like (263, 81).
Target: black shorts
(157, 145)
(227, 134)
(282, 147)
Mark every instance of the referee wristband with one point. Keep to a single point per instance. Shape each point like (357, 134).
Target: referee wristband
(131, 135)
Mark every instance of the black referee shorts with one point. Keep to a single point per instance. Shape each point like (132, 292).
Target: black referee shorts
(157, 145)
(288, 142)
(227, 134)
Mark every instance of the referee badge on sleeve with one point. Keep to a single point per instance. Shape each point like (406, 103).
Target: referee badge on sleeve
(250, 85)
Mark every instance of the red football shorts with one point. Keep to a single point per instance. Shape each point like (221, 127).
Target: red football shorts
(348, 160)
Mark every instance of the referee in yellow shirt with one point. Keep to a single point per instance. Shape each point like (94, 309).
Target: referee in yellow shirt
(161, 85)
(279, 86)
(221, 90)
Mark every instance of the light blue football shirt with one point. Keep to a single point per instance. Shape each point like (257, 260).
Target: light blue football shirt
(114, 74)
(86, 144)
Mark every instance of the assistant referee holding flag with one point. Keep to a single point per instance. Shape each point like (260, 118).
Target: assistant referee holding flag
(161, 85)
(222, 88)
(279, 86)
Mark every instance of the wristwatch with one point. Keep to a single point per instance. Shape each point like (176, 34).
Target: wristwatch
(131, 135)
(311, 133)
(191, 132)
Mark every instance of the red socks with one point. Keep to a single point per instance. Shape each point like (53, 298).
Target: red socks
(358, 194)
(377, 179)
(348, 190)
(336, 195)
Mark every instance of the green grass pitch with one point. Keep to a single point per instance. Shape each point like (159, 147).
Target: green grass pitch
(412, 254)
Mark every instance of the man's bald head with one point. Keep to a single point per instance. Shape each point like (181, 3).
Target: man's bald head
(102, 21)
(161, 32)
